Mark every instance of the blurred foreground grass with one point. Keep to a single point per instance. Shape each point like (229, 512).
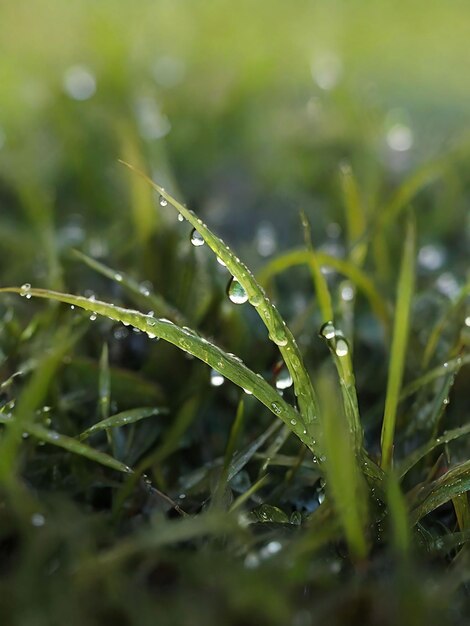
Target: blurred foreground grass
(354, 113)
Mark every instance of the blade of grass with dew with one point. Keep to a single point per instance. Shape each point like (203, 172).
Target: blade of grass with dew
(121, 419)
(341, 354)
(355, 216)
(450, 367)
(68, 443)
(141, 293)
(279, 333)
(399, 344)
(187, 340)
(453, 483)
(440, 324)
(416, 456)
(344, 479)
(285, 261)
(319, 282)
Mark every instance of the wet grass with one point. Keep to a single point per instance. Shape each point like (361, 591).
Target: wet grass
(138, 485)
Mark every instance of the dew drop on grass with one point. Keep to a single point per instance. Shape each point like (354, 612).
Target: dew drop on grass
(236, 292)
(93, 317)
(276, 408)
(284, 379)
(220, 262)
(341, 347)
(25, 289)
(118, 277)
(180, 217)
(162, 201)
(196, 238)
(248, 392)
(327, 331)
(216, 378)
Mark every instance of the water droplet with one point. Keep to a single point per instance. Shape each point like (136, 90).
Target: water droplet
(276, 408)
(216, 378)
(162, 201)
(38, 520)
(293, 422)
(93, 317)
(79, 82)
(24, 291)
(196, 238)
(467, 321)
(327, 331)
(180, 217)
(236, 292)
(341, 347)
(144, 289)
(248, 392)
(284, 379)
(72, 307)
(118, 277)
(220, 262)
(347, 292)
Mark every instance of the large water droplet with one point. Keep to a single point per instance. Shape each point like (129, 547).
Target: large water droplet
(162, 201)
(216, 378)
(341, 347)
(236, 292)
(284, 379)
(196, 238)
(327, 331)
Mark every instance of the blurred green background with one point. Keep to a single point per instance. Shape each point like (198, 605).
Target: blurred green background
(245, 109)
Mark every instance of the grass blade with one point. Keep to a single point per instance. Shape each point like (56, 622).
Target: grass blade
(399, 344)
(319, 281)
(344, 478)
(121, 419)
(69, 443)
(187, 340)
(302, 257)
(279, 333)
(453, 483)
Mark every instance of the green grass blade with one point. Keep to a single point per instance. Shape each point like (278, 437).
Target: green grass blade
(398, 511)
(68, 443)
(229, 452)
(399, 344)
(141, 293)
(450, 367)
(319, 281)
(341, 355)
(300, 256)
(279, 333)
(355, 216)
(453, 483)
(416, 456)
(440, 324)
(344, 480)
(229, 365)
(31, 398)
(121, 419)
